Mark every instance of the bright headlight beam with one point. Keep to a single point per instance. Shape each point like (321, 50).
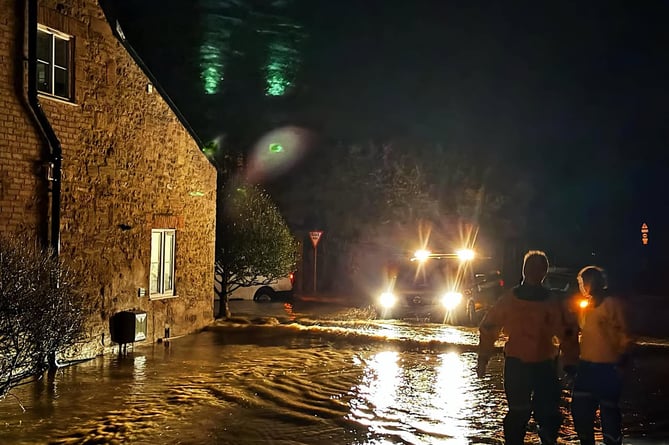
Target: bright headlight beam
(421, 255)
(465, 254)
(451, 299)
(387, 300)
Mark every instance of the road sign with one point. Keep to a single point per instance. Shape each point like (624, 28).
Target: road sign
(315, 237)
(644, 234)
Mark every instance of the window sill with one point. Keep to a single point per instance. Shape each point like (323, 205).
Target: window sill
(56, 99)
(162, 297)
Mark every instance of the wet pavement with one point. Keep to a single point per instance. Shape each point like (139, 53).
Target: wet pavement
(301, 373)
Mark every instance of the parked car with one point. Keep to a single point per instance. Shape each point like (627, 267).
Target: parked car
(442, 288)
(281, 289)
(487, 288)
(563, 285)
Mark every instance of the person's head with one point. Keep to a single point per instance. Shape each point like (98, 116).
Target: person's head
(592, 281)
(535, 267)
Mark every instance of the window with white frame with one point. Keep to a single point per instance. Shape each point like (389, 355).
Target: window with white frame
(54, 63)
(163, 248)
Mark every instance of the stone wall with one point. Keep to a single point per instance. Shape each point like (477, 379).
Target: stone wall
(22, 189)
(129, 165)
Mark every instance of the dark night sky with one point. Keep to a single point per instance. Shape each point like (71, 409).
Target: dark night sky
(575, 91)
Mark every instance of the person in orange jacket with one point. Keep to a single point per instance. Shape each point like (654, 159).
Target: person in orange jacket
(605, 347)
(532, 319)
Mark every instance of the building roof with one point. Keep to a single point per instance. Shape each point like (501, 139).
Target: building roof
(117, 31)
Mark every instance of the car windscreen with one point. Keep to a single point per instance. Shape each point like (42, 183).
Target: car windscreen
(562, 283)
(418, 274)
(434, 273)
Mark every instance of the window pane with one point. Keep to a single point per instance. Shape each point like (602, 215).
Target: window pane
(44, 77)
(62, 53)
(168, 278)
(61, 84)
(156, 247)
(44, 49)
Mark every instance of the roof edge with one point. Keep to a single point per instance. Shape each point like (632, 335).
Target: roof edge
(117, 31)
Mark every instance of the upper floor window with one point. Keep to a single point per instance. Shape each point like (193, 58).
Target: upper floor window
(163, 247)
(54, 63)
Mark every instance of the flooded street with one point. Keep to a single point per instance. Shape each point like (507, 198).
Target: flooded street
(335, 378)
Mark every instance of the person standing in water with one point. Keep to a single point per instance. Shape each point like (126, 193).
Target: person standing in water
(531, 318)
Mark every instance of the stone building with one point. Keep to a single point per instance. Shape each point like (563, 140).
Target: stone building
(97, 162)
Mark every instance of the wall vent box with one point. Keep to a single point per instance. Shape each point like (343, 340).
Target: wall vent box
(128, 327)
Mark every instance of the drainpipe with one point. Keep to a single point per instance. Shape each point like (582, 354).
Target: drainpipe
(45, 128)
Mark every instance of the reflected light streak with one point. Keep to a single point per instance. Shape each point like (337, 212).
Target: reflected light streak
(212, 68)
(288, 309)
(283, 59)
(139, 368)
(219, 23)
(381, 380)
(453, 335)
(454, 396)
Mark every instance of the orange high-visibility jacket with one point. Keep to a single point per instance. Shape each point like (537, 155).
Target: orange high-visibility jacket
(532, 327)
(604, 334)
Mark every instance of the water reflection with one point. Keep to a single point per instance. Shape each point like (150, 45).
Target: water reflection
(381, 381)
(283, 56)
(219, 22)
(420, 398)
(454, 401)
(285, 385)
(288, 309)
(139, 368)
(249, 39)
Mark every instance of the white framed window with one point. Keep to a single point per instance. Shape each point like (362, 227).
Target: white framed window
(163, 250)
(54, 63)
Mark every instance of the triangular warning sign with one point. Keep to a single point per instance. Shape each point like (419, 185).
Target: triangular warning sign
(315, 237)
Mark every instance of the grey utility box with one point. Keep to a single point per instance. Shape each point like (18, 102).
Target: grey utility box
(128, 327)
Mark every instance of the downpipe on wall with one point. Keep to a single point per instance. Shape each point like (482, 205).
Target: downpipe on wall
(55, 162)
(54, 173)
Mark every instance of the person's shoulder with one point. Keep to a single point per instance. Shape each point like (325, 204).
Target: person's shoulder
(508, 295)
(615, 302)
(503, 301)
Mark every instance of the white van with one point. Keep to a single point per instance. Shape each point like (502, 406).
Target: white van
(280, 289)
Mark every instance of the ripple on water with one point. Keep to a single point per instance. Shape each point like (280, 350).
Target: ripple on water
(285, 384)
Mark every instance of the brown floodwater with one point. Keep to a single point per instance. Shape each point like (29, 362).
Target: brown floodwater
(338, 380)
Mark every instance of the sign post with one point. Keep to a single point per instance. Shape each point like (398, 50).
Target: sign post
(315, 238)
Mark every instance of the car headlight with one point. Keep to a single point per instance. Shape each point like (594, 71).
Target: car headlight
(387, 300)
(451, 299)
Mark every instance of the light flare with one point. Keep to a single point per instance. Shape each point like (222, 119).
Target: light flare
(277, 152)
(387, 300)
(421, 255)
(451, 300)
(465, 254)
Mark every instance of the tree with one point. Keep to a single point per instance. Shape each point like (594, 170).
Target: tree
(42, 312)
(256, 245)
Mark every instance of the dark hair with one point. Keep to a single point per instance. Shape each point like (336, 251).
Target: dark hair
(535, 255)
(595, 277)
